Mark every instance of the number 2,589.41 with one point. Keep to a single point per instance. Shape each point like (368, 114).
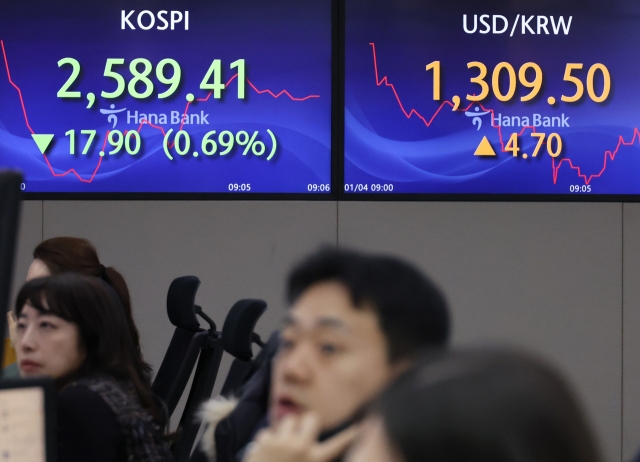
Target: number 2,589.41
(140, 86)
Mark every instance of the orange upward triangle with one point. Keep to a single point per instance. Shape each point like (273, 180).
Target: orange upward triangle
(484, 148)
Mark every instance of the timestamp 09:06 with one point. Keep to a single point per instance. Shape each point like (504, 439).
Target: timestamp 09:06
(373, 187)
(316, 187)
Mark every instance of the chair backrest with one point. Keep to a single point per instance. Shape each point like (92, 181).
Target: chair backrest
(239, 326)
(238, 373)
(238, 332)
(181, 300)
(9, 215)
(187, 341)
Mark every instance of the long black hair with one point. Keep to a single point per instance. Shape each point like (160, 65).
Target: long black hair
(63, 254)
(95, 308)
(485, 406)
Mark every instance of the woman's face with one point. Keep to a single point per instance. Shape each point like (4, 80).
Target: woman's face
(37, 269)
(373, 444)
(47, 344)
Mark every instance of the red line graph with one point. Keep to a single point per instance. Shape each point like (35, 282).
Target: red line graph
(144, 122)
(408, 114)
(26, 119)
(607, 155)
(202, 100)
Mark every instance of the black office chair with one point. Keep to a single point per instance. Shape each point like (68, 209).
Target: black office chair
(187, 342)
(254, 389)
(241, 320)
(236, 338)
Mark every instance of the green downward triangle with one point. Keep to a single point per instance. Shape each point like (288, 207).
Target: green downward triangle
(42, 141)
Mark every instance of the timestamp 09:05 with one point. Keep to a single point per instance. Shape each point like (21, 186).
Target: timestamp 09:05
(363, 187)
(576, 188)
(239, 187)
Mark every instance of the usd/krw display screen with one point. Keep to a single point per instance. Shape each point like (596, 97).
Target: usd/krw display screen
(444, 99)
(212, 96)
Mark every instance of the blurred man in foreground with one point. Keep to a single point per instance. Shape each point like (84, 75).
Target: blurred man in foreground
(355, 322)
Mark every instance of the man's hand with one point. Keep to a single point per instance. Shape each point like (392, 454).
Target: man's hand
(295, 440)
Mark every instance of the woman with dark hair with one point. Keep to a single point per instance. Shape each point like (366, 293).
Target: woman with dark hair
(63, 254)
(73, 328)
(476, 406)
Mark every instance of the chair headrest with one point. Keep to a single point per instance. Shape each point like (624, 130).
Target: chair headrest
(237, 332)
(180, 300)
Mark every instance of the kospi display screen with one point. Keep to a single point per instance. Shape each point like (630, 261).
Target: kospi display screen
(443, 98)
(202, 96)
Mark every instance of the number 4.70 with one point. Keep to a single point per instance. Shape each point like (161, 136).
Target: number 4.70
(72, 141)
(553, 142)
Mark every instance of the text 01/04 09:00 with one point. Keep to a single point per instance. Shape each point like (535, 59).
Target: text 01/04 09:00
(374, 187)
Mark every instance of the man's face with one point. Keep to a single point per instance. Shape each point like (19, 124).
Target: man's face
(332, 359)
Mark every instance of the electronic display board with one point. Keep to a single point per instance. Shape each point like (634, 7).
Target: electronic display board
(202, 96)
(492, 100)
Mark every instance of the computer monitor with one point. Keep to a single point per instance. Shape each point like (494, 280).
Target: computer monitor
(10, 182)
(27, 420)
(245, 107)
(447, 102)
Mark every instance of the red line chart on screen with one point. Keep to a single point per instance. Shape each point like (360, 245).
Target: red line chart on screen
(144, 122)
(608, 155)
